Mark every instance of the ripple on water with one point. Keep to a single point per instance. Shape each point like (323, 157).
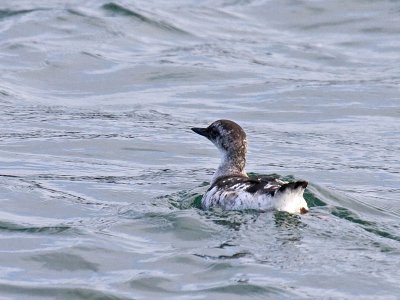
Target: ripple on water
(101, 178)
(115, 9)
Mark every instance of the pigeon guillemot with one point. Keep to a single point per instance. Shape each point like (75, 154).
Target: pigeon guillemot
(232, 189)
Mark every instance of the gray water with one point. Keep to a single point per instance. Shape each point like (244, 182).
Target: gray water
(100, 175)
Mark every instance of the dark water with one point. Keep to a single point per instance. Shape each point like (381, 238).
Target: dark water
(100, 175)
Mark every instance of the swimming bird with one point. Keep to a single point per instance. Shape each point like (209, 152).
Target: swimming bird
(232, 189)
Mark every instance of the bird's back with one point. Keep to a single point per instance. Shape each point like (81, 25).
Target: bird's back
(241, 192)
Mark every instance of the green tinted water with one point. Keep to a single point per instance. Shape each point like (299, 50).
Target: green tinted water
(101, 177)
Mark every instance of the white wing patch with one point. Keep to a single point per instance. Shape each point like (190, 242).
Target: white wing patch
(240, 186)
(239, 194)
(236, 197)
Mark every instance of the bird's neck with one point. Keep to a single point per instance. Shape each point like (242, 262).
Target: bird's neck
(232, 164)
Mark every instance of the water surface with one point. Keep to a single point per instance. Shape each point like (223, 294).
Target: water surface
(100, 175)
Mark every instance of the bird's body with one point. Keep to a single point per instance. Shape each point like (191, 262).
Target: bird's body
(232, 189)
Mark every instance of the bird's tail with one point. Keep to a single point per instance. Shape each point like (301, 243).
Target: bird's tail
(291, 198)
(297, 186)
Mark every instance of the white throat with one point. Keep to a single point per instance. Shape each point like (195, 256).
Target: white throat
(230, 165)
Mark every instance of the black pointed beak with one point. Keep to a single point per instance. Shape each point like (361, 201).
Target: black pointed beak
(201, 131)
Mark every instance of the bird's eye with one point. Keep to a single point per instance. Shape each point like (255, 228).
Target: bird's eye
(213, 133)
